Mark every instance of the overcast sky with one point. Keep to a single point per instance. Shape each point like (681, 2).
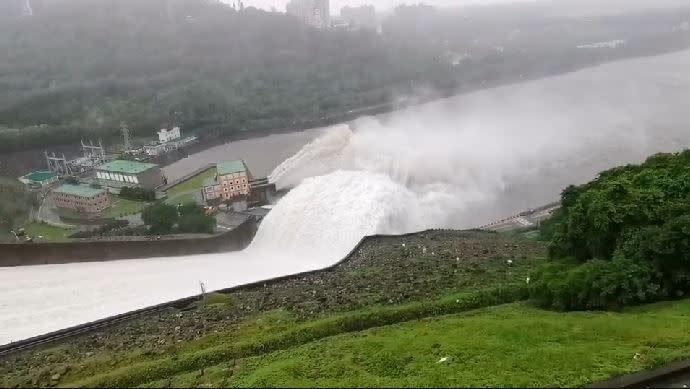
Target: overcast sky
(594, 5)
(380, 4)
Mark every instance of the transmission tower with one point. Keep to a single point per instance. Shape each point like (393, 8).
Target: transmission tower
(125, 136)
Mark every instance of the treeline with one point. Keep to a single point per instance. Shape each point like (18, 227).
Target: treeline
(15, 204)
(163, 219)
(77, 68)
(630, 231)
(83, 66)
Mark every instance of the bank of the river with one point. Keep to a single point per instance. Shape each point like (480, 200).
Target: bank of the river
(22, 161)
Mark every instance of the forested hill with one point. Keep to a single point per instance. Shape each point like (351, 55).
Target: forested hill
(77, 68)
(85, 64)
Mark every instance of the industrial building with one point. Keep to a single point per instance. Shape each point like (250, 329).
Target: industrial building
(316, 13)
(230, 184)
(168, 140)
(81, 198)
(39, 180)
(118, 174)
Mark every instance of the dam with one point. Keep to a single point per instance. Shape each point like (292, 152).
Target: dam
(455, 163)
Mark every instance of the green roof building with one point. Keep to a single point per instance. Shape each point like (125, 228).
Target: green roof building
(231, 167)
(39, 179)
(127, 167)
(122, 173)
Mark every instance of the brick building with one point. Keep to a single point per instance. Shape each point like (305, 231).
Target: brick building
(231, 184)
(81, 198)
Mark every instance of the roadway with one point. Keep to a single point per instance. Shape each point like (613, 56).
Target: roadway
(526, 219)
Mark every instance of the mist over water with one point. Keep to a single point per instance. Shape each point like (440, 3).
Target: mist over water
(468, 160)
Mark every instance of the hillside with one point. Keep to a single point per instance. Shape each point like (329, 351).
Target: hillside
(77, 68)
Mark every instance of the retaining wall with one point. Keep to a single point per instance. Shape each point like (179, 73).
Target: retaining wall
(25, 254)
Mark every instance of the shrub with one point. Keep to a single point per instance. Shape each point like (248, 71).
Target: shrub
(667, 247)
(596, 284)
(196, 224)
(138, 194)
(160, 217)
(102, 230)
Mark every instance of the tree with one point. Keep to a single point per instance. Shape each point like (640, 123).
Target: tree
(196, 223)
(194, 220)
(631, 228)
(160, 217)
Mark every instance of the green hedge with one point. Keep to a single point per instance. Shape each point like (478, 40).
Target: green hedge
(308, 332)
(596, 284)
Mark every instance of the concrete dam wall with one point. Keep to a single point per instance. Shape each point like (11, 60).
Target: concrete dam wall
(26, 254)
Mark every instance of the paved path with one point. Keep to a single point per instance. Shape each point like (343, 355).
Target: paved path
(46, 213)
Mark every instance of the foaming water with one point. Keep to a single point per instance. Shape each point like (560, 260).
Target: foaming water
(459, 163)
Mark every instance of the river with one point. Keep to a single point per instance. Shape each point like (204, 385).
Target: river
(457, 162)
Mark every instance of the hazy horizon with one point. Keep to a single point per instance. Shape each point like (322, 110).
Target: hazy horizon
(574, 5)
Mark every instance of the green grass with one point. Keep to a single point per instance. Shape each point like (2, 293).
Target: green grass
(512, 345)
(185, 198)
(200, 354)
(123, 207)
(195, 183)
(48, 232)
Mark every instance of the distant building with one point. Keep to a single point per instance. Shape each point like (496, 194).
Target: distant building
(316, 13)
(81, 198)
(230, 184)
(168, 140)
(360, 17)
(165, 136)
(118, 174)
(39, 180)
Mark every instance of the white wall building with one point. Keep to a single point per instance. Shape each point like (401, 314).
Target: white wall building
(165, 135)
(316, 13)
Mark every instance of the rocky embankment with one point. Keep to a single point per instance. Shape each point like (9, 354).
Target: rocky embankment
(383, 271)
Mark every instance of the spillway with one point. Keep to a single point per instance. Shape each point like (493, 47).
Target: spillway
(458, 162)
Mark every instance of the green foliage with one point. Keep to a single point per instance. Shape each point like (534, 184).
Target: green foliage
(15, 203)
(78, 68)
(196, 223)
(667, 247)
(638, 212)
(136, 193)
(101, 230)
(194, 220)
(160, 217)
(597, 216)
(188, 218)
(596, 284)
(512, 345)
(217, 298)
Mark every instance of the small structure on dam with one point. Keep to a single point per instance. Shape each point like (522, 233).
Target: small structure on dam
(233, 184)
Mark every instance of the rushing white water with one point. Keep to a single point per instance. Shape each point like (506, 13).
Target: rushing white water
(459, 162)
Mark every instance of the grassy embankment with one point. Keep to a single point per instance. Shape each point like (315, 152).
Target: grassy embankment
(123, 207)
(507, 345)
(183, 193)
(442, 310)
(48, 233)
